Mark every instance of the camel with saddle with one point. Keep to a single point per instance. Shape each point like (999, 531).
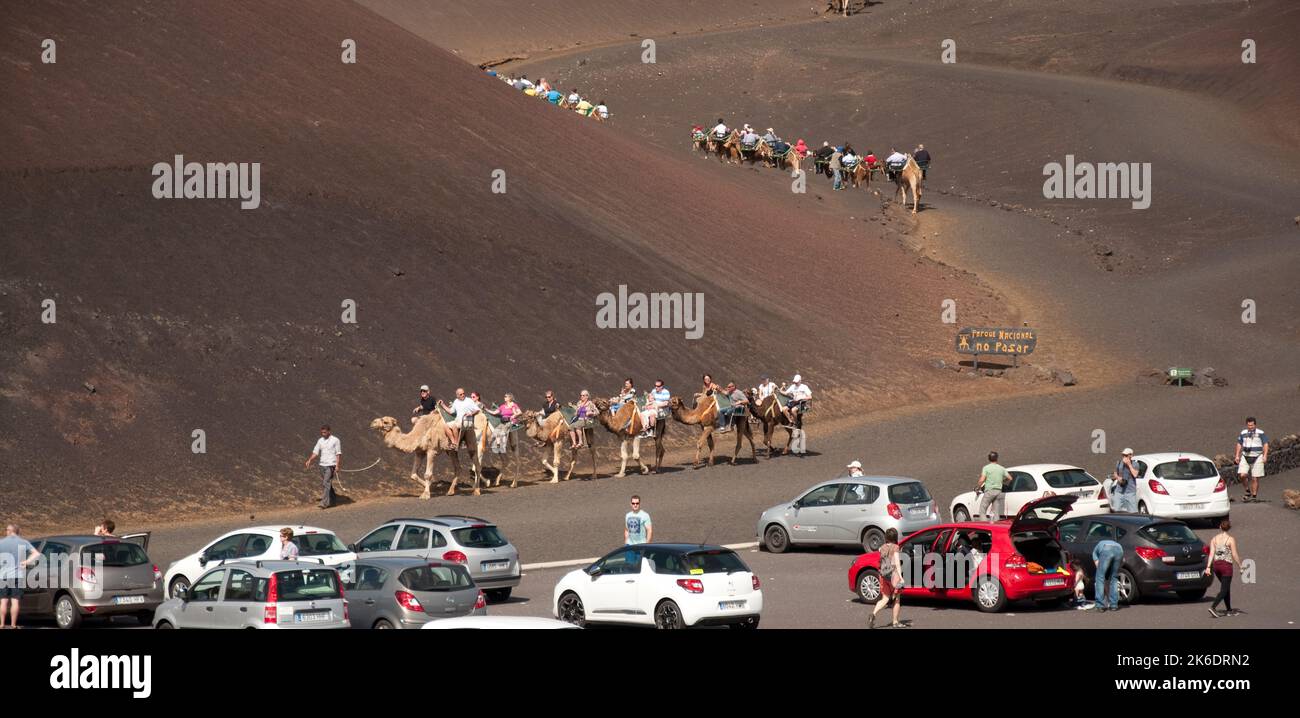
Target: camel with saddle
(551, 432)
(769, 414)
(629, 424)
(471, 432)
(909, 177)
(426, 438)
(704, 415)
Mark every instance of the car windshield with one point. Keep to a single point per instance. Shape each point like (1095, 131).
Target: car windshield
(1069, 479)
(115, 555)
(479, 537)
(1186, 470)
(318, 544)
(714, 561)
(1169, 533)
(913, 492)
(435, 578)
(312, 584)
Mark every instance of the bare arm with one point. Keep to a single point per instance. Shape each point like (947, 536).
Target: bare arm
(1232, 544)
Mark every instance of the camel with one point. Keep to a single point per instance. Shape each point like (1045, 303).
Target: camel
(768, 411)
(860, 175)
(790, 160)
(553, 431)
(762, 152)
(427, 437)
(729, 150)
(512, 446)
(700, 142)
(910, 176)
(474, 436)
(722, 147)
(743, 431)
(705, 415)
(626, 424)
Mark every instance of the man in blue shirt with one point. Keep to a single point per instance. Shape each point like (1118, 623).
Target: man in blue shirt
(1252, 454)
(16, 555)
(636, 525)
(1124, 487)
(1107, 556)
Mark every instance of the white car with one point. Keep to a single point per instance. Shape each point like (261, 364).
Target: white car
(662, 585)
(1035, 481)
(261, 542)
(496, 622)
(1180, 486)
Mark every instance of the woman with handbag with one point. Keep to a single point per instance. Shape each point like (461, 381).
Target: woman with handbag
(891, 580)
(1223, 556)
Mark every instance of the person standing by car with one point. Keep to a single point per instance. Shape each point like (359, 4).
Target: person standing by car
(13, 547)
(993, 478)
(105, 529)
(1223, 556)
(636, 525)
(329, 451)
(855, 468)
(288, 549)
(1251, 456)
(1124, 484)
(891, 580)
(1107, 556)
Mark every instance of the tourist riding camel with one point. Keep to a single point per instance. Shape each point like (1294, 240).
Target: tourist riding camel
(583, 410)
(922, 157)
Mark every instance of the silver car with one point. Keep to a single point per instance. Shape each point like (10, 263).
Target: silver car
(849, 511)
(477, 543)
(113, 576)
(259, 594)
(410, 592)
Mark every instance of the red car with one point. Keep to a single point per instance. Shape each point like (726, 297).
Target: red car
(988, 563)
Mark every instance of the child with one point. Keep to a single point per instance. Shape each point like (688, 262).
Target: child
(1080, 585)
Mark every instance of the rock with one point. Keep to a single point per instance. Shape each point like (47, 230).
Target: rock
(1222, 460)
(88, 386)
(938, 364)
(1207, 377)
(1152, 377)
(993, 372)
(1064, 376)
(1287, 441)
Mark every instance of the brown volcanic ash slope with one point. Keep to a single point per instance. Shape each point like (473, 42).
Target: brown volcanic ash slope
(176, 315)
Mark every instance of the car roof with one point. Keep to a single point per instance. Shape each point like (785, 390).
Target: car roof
(867, 479)
(449, 520)
(276, 530)
(676, 547)
(1042, 468)
(1127, 518)
(268, 566)
(79, 539)
(1170, 456)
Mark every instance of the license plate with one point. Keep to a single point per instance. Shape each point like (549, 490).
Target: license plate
(119, 600)
(1192, 506)
(1188, 575)
(311, 616)
(495, 565)
(918, 510)
(724, 605)
(1054, 582)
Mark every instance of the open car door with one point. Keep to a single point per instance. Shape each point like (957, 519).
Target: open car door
(1042, 514)
(141, 538)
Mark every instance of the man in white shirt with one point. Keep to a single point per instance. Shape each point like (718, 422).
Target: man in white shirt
(601, 111)
(798, 392)
(461, 408)
(766, 389)
(329, 451)
(719, 130)
(894, 163)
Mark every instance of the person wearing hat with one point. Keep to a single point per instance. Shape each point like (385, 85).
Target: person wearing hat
(855, 469)
(1124, 487)
(426, 406)
(766, 388)
(799, 394)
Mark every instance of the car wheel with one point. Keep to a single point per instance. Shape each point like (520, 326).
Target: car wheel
(382, 624)
(66, 613)
(497, 595)
(869, 585)
(1128, 588)
(872, 540)
(777, 540)
(178, 583)
(164, 624)
(668, 615)
(960, 514)
(145, 618)
(1193, 594)
(749, 623)
(989, 595)
(570, 609)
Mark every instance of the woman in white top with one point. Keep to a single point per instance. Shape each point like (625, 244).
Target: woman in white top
(1223, 556)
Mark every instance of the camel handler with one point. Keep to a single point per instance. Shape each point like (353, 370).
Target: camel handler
(426, 406)
(329, 450)
(461, 409)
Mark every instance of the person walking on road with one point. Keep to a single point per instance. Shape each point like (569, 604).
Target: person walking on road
(637, 528)
(1223, 556)
(329, 452)
(1251, 456)
(288, 549)
(993, 478)
(891, 581)
(1107, 556)
(16, 554)
(1124, 485)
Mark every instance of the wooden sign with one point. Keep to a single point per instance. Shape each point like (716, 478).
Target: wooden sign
(994, 340)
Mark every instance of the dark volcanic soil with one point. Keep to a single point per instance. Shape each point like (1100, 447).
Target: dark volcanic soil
(180, 315)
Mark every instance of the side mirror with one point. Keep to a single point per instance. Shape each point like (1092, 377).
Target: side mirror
(352, 547)
(593, 572)
(203, 559)
(183, 594)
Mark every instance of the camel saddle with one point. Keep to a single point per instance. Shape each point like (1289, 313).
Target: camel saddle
(570, 415)
(662, 412)
(494, 422)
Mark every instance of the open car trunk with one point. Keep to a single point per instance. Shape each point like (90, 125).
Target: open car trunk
(1040, 547)
(1033, 532)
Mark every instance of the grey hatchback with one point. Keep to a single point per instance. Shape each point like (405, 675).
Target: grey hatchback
(410, 592)
(851, 510)
(83, 576)
(476, 543)
(259, 594)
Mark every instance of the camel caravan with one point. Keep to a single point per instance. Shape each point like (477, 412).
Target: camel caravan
(486, 432)
(574, 100)
(840, 163)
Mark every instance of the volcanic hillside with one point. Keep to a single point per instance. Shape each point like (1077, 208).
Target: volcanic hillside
(177, 315)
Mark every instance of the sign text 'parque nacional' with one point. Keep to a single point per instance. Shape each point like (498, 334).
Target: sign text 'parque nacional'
(995, 340)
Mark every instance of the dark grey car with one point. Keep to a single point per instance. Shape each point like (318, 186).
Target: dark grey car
(1160, 555)
(410, 592)
(83, 576)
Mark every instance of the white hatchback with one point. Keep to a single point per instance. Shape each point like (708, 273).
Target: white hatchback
(1180, 486)
(315, 545)
(1031, 482)
(662, 585)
